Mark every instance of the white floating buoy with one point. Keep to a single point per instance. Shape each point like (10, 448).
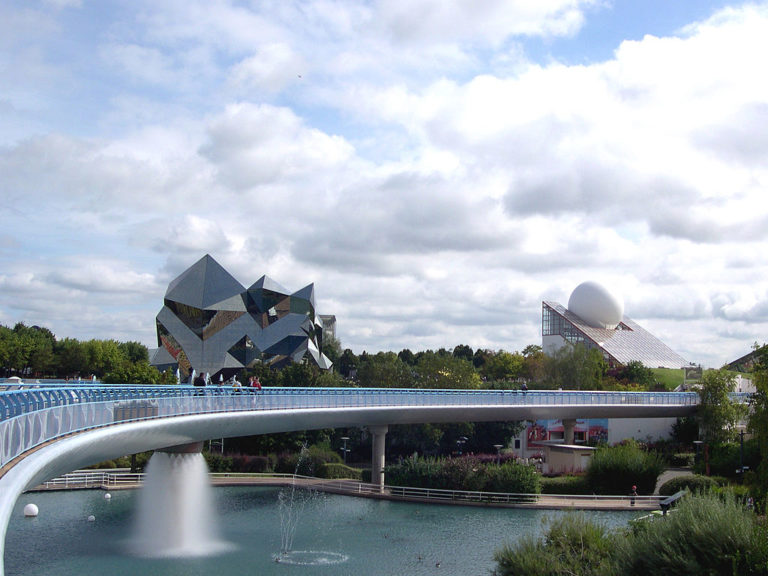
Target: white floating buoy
(30, 510)
(91, 518)
(107, 496)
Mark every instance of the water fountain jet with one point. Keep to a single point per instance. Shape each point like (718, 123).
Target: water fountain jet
(175, 511)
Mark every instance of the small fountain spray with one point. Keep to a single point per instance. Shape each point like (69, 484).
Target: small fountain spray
(291, 505)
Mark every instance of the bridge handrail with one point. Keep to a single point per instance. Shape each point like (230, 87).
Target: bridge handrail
(31, 417)
(15, 402)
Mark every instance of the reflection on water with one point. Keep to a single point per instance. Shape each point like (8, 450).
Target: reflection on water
(353, 536)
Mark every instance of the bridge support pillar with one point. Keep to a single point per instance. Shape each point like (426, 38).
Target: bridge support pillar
(568, 435)
(192, 448)
(378, 461)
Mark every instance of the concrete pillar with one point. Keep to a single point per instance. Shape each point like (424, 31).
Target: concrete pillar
(378, 461)
(568, 426)
(192, 448)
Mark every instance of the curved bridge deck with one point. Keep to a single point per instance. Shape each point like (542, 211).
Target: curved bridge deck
(33, 416)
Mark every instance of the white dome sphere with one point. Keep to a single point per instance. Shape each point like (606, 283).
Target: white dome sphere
(594, 304)
(30, 510)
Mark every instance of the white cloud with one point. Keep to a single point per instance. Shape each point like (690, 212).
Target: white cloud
(432, 178)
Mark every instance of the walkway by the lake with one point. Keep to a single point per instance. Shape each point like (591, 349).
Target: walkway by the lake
(110, 481)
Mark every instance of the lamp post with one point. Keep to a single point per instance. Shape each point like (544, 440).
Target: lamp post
(742, 468)
(698, 444)
(344, 449)
(498, 453)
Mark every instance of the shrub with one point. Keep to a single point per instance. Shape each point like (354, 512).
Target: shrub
(682, 459)
(572, 545)
(465, 473)
(706, 534)
(725, 459)
(565, 485)
(217, 462)
(336, 470)
(512, 477)
(308, 462)
(692, 482)
(251, 464)
(614, 470)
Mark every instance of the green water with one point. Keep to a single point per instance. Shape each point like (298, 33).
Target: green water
(371, 537)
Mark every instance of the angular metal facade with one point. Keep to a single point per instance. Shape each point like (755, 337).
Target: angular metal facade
(210, 322)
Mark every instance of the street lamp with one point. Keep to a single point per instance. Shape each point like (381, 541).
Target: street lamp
(498, 453)
(344, 449)
(698, 444)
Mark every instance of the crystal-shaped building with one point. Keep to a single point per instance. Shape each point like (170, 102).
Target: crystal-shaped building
(211, 323)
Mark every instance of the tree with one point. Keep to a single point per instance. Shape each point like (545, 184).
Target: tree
(480, 358)
(70, 357)
(758, 419)
(347, 363)
(634, 372)
(407, 356)
(331, 348)
(718, 414)
(503, 366)
(384, 370)
(442, 371)
(134, 351)
(463, 351)
(533, 363)
(133, 373)
(576, 367)
(298, 375)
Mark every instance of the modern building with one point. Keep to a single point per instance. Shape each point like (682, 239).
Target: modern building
(329, 325)
(211, 323)
(595, 318)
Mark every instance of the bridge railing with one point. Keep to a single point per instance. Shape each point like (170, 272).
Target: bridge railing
(15, 402)
(31, 417)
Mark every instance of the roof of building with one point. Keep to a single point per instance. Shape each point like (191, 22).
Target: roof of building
(626, 343)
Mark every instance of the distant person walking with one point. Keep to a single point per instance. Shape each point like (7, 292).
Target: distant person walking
(199, 382)
(255, 383)
(632, 496)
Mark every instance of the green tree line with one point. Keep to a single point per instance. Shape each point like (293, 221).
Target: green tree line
(35, 352)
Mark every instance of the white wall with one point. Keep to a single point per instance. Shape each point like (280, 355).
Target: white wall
(639, 428)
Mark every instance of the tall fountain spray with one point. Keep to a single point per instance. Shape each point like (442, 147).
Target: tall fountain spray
(175, 512)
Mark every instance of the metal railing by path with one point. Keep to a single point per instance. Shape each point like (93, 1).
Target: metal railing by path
(94, 479)
(30, 417)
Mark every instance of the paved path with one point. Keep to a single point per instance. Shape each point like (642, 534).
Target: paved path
(670, 473)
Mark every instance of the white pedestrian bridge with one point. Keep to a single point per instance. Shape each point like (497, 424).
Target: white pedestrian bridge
(50, 430)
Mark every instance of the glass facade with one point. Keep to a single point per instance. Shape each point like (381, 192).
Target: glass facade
(210, 322)
(627, 342)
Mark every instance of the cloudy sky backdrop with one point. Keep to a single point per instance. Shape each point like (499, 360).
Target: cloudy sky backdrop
(436, 167)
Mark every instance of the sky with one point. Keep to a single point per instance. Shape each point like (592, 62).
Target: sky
(437, 168)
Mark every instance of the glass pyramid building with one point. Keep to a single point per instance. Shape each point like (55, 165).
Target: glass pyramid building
(211, 323)
(600, 323)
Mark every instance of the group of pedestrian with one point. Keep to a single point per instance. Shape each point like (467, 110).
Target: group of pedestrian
(254, 383)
